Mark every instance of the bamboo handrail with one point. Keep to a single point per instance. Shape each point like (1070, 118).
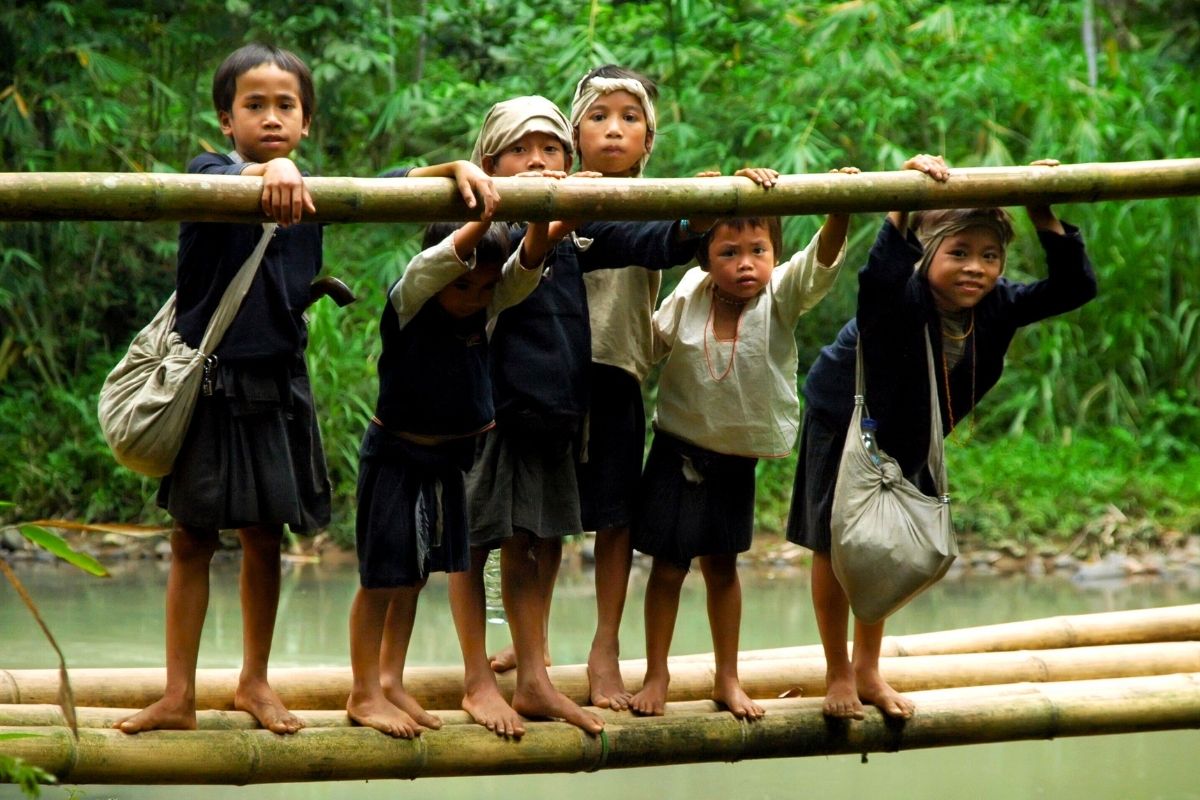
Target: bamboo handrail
(1164, 624)
(30, 196)
(944, 718)
(441, 687)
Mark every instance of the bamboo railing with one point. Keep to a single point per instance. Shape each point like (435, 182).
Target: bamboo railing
(31, 196)
(790, 728)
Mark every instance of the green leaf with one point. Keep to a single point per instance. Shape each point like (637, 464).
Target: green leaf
(57, 545)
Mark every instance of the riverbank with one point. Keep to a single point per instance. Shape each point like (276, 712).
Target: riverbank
(1099, 552)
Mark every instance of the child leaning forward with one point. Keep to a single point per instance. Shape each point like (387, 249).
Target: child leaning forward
(726, 397)
(942, 273)
(435, 398)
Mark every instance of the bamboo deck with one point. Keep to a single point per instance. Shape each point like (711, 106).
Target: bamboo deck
(1067, 676)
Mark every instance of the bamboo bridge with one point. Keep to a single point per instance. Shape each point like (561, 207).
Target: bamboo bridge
(40, 196)
(1119, 672)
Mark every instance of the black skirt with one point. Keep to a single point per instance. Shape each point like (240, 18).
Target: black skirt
(693, 502)
(412, 513)
(817, 465)
(252, 454)
(610, 465)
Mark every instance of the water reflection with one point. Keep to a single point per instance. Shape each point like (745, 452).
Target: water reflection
(118, 622)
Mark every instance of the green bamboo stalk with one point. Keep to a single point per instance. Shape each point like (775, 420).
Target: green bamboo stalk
(943, 718)
(31, 196)
(441, 687)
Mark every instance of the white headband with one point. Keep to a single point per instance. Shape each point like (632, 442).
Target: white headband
(588, 92)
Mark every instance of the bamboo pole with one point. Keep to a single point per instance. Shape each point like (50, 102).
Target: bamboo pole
(441, 687)
(1165, 624)
(32, 196)
(944, 718)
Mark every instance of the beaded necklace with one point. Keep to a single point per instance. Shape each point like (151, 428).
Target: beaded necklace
(969, 332)
(709, 326)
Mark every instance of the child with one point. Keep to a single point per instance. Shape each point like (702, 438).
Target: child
(521, 492)
(726, 397)
(421, 441)
(252, 458)
(957, 292)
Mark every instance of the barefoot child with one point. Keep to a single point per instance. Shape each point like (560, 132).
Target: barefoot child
(613, 120)
(252, 458)
(521, 493)
(411, 504)
(726, 397)
(958, 294)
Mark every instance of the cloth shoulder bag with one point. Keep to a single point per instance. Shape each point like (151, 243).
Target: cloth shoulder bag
(891, 541)
(147, 400)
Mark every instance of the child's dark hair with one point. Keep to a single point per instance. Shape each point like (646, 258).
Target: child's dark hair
(493, 249)
(246, 58)
(771, 225)
(621, 73)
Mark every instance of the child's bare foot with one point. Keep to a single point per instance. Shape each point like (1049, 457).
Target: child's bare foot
(731, 694)
(841, 697)
(873, 689)
(259, 700)
(506, 660)
(543, 700)
(166, 714)
(381, 714)
(488, 707)
(404, 701)
(606, 688)
(651, 701)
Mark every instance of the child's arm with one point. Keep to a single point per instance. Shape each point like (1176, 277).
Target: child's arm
(1070, 280)
(285, 198)
(523, 271)
(432, 270)
(471, 181)
(833, 232)
(1043, 217)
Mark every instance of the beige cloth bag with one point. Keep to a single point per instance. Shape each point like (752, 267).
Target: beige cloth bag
(147, 400)
(890, 540)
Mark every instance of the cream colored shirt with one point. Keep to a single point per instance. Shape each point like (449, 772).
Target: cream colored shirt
(737, 397)
(620, 304)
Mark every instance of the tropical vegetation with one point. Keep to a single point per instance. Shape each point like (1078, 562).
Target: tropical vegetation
(1098, 410)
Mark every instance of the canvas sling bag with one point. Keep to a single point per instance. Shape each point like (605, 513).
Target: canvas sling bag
(146, 402)
(891, 541)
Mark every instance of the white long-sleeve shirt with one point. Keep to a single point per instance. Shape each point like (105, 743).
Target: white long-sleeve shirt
(749, 407)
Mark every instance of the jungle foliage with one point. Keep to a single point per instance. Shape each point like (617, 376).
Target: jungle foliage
(801, 86)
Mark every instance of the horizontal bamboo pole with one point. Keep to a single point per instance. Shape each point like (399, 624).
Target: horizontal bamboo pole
(944, 718)
(33, 196)
(441, 687)
(1164, 624)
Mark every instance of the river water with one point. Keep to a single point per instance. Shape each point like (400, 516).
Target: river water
(118, 622)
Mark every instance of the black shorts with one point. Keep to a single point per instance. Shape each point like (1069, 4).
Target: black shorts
(615, 443)
(817, 465)
(693, 502)
(412, 517)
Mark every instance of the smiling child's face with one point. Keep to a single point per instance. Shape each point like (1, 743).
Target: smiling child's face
(741, 261)
(267, 119)
(965, 268)
(613, 135)
(533, 152)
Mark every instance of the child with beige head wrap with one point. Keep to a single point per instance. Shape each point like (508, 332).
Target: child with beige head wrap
(522, 494)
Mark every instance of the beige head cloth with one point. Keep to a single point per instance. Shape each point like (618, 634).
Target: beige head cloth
(509, 120)
(588, 91)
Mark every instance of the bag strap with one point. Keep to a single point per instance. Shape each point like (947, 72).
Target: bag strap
(936, 458)
(231, 300)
